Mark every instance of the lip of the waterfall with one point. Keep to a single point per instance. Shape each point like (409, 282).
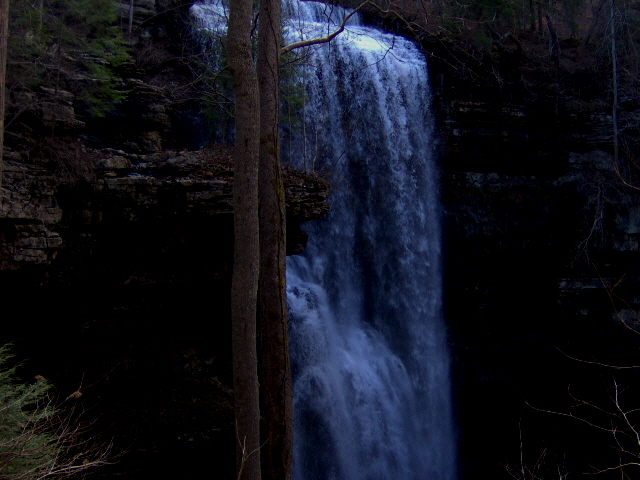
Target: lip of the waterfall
(303, 19)
(318, 12)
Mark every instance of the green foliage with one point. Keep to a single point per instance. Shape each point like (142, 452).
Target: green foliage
(37, 439)
(52, 40)
(292, 90)
(26, 449)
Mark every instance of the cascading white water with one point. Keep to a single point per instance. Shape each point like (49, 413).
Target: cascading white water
(368, 343)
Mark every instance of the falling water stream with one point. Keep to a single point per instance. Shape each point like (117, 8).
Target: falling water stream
(367, 338)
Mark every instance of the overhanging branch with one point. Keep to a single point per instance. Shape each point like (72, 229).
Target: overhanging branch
(325, 39)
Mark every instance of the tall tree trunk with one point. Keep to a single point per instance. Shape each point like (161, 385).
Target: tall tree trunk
(4, 34)
(130, 27)
(532, 16)
(244, 289)
(40, 7)
(614, 78)
(554, 43)
(594, 23)
(540, 17)
(276, 394)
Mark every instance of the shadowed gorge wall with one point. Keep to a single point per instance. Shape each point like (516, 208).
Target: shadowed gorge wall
(538, 229)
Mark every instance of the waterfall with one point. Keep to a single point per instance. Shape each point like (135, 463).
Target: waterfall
(367, 339)
(368, 344)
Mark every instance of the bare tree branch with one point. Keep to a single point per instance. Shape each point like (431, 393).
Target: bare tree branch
(318, 40)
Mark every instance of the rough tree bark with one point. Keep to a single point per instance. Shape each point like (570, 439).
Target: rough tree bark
(40, 8)
(554, 43)
(260, 235)
(276, 393)
(594, 23)
(614, 80)
(244, 288)
(130, 28)
(4, 34)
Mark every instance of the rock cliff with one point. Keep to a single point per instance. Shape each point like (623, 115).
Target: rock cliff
(541, 255)
(122, 190)
(116, 253)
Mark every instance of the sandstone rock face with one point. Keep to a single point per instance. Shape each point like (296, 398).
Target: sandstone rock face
(140, 185)
(175, 188)
(55, 109)
(29, 215)
(136, 10)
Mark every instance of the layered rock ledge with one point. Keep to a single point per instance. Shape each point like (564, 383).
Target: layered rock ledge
(51, 217)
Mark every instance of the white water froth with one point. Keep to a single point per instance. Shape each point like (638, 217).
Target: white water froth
(368, 342)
